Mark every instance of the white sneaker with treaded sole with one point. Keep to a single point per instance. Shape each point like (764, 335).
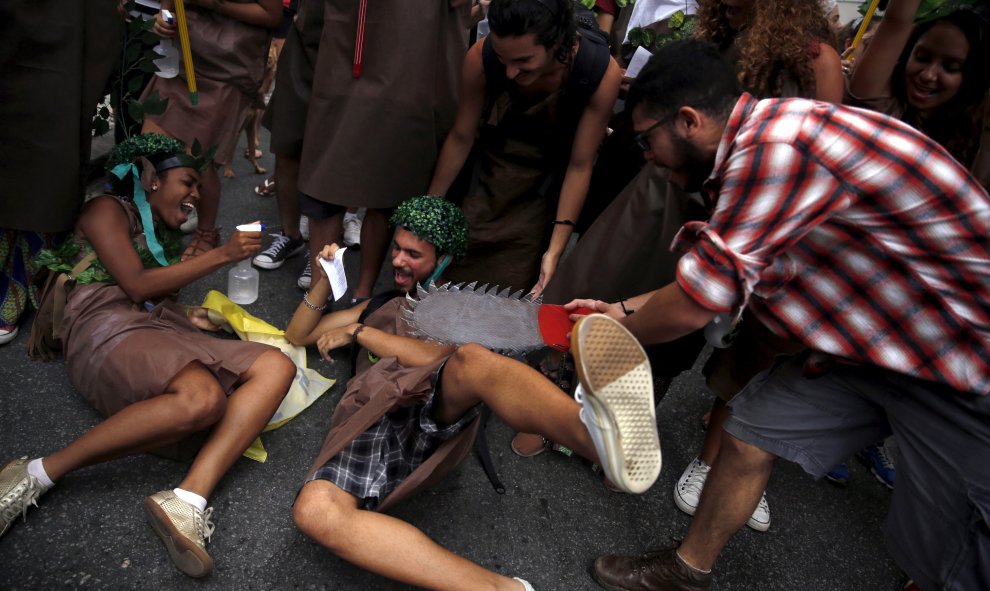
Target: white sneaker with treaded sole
(616, 395)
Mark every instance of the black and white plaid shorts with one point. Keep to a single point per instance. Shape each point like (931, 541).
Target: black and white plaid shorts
(378, 460)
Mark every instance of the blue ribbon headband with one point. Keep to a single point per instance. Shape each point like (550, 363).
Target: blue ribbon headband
(120, 171)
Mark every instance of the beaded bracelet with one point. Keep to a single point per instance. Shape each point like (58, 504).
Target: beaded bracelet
(312, 306)
(357, 331)
(563, 223)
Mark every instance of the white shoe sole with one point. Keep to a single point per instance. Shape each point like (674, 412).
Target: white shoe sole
(618, 388)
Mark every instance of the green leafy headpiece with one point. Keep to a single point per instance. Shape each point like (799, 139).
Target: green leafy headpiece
(162, 151)
(435, 220)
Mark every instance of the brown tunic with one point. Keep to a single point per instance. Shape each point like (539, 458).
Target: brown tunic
(55, 59)
(285, 116)
(229, 59)
(118, 353)
(373, 141)
(377, 388)
(626, 251)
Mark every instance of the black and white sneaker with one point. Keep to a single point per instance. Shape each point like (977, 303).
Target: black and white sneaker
(306, 277)
(281, 249)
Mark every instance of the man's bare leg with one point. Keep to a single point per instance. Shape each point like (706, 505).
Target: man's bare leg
(516, 393)
(385, 545)
(731, 493)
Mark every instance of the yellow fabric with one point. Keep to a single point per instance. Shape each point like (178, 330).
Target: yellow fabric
(307, 386)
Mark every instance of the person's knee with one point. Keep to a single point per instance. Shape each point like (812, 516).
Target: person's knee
(466, 364)
(743, 455)
(276, 366)
(202, 404)
(321, 515)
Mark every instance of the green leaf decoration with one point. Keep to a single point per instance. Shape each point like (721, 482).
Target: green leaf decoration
(649, 37)
(136, 110)
(636, 37)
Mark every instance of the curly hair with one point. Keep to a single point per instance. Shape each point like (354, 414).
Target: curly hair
(958, 123)
(552, 21)
(777, 45)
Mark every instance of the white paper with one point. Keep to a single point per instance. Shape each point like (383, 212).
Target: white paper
(637, 62)
(336, 274)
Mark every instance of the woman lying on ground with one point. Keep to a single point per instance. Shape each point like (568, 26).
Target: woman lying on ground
(140, 359)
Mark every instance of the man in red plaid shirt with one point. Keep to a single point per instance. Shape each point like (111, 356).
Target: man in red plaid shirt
(859, 237)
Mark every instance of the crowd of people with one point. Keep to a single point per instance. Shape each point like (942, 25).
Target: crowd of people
(814, 209)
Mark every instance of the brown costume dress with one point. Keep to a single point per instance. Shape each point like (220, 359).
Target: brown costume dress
(285, 116)
(118, 352)
(373, 141)
(378, 388)
(229, 59)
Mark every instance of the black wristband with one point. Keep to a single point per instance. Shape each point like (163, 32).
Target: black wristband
(622, 304)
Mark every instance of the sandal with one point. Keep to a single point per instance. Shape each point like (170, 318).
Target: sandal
(203, 241)
(266, 188)
(558, 367)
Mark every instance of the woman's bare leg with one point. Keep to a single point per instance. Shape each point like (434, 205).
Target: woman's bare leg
(248, 410)
(192, 401)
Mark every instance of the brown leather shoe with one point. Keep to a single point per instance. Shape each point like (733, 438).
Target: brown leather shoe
(656, 570)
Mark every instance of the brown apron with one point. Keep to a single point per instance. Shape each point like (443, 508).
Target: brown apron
(373, 141)
(626, 252)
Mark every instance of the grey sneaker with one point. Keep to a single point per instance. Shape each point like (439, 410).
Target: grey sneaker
(18, 491)
(616, 395)
(281, 249)
(352, 229)
(183, 529)
(306, 277)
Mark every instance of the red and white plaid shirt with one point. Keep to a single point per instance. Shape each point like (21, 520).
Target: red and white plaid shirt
(851, 232)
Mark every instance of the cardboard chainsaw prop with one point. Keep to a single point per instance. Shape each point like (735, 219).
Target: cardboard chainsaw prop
(510, 324)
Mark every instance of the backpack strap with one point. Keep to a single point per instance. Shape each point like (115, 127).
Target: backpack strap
(61, 292)
(590, 64)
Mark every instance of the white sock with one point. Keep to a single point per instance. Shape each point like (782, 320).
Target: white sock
(351, 216)
(191, 498)
(37, 469)
(691, 566)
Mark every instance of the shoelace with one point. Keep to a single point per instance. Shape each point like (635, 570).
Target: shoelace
(28, 491)
(884, 458)
(204, 527)
(281, 241)
(696, 479)
(763, 503)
